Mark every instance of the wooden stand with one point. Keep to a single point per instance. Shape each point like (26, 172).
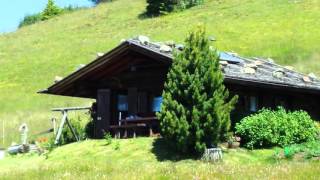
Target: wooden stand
(65, 120)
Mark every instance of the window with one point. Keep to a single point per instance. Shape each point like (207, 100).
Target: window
(122, 103)
(253, 106)
(156, 104)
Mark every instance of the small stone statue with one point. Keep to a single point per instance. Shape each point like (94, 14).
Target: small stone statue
(23, 129)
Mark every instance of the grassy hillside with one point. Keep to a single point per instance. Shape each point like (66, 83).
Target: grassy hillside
(287, 31)
(148, 158)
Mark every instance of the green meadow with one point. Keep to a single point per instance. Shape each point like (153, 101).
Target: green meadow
(149, 158)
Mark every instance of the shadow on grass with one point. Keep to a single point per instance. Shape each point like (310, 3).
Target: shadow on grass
(144, 15)
(163, 151)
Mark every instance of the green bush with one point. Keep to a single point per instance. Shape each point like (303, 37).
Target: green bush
(79, 125)
(278, 127)
(195, 112)
(158, 7)
(30, 19)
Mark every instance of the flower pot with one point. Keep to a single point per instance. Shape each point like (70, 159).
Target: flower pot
(233, 144)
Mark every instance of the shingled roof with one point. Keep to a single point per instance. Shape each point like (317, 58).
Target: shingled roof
(236, 69)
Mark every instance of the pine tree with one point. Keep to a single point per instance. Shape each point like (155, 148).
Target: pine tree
(195, 112)
(50, 10)
(154, 7)
(158, 7)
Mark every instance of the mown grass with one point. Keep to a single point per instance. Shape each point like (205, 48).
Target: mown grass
(287, 31)
(139, 159)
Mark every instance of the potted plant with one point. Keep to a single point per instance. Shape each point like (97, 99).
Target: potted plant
(233, 141)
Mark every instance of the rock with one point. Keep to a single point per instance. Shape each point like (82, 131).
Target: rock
(165, 48)
(99, 54)
(270, 60)
(289, 68)
(143, 39)
(180, 46)
(170, 43)
(251, 65)
(279, 73)
(248, 70)
(57, 79)
(258, 63)
(224, 63)
(307, 79)
(14, 149)
(80, 66)
(312, 75)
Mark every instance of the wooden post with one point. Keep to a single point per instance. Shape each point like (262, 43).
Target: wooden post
(63, 120)
(102, 122)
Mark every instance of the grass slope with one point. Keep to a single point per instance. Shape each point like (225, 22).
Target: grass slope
(148, 158)
(288, 31)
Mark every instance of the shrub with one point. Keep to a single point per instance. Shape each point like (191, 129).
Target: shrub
(157, 7)
(79, 125)
(89, 129)
(48, 145)
(30, 19)
(270, 128)
(195, 113)
(108, 138)
(101, 1)
(50, 11)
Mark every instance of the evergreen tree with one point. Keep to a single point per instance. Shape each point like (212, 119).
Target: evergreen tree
(195, 113)
(50, 10)
(158, 7)
(154, 7)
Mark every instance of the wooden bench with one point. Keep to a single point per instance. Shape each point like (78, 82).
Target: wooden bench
(117, 129)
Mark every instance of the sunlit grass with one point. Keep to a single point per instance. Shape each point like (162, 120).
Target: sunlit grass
(137, 159)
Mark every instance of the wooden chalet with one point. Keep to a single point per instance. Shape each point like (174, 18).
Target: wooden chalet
(127, 83)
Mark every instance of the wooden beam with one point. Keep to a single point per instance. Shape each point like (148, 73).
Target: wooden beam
(63, 121)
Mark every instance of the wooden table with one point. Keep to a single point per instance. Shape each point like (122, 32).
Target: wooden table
(148, 121)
